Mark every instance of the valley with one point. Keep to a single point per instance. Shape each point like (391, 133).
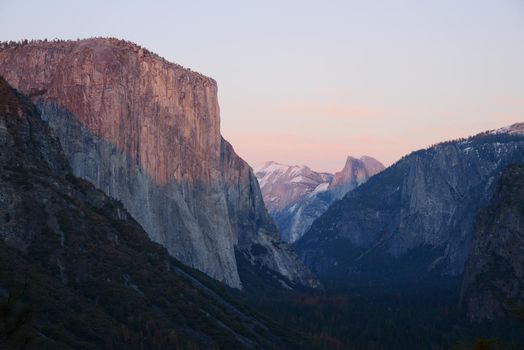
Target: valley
(129, 222)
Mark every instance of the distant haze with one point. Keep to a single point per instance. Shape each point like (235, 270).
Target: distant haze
(309, 82)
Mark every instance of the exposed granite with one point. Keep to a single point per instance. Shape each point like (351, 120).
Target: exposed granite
(427, 200)
(147, 132)
(78, 272)
(494, 275)
(355, 172)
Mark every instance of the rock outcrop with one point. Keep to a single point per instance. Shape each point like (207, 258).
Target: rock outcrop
(415, 217)
(147, 132)
(296, 195)
(494, 276)
(355, 172)
(77, 272)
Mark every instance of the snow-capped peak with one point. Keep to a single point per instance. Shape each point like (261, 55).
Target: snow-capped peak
(283, 184)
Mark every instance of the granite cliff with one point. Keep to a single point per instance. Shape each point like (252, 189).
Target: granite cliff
(415, 218)
(78, 272)
(494, 276)
(296, 195)
(147, 132)
(356, 171)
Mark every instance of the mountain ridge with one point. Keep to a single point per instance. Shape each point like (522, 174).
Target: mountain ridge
(426, 200)
(296, 195)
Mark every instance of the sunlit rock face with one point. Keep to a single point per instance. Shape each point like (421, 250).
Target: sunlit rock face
(296, 195)
(147, 132)
(355, 172)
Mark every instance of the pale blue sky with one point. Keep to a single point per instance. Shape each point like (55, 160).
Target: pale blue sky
(309, 82)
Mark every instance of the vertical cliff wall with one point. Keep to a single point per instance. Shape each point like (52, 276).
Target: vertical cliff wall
(147, 132)
(415, 215)
(355, 172)
(494, 276)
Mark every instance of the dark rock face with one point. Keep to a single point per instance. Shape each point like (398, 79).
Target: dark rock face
(85, 270)
(425, 202)
(494, 275)
(296, 195)
(146, 132)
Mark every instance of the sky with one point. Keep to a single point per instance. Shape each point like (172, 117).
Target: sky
(311, 82)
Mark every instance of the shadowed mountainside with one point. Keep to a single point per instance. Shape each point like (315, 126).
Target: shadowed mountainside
(494, 276)
(77, 272)
(414, 219)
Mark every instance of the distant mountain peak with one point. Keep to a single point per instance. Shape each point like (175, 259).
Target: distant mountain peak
(355, 172)
(283, 185)
(295, 195)
(276, 166)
